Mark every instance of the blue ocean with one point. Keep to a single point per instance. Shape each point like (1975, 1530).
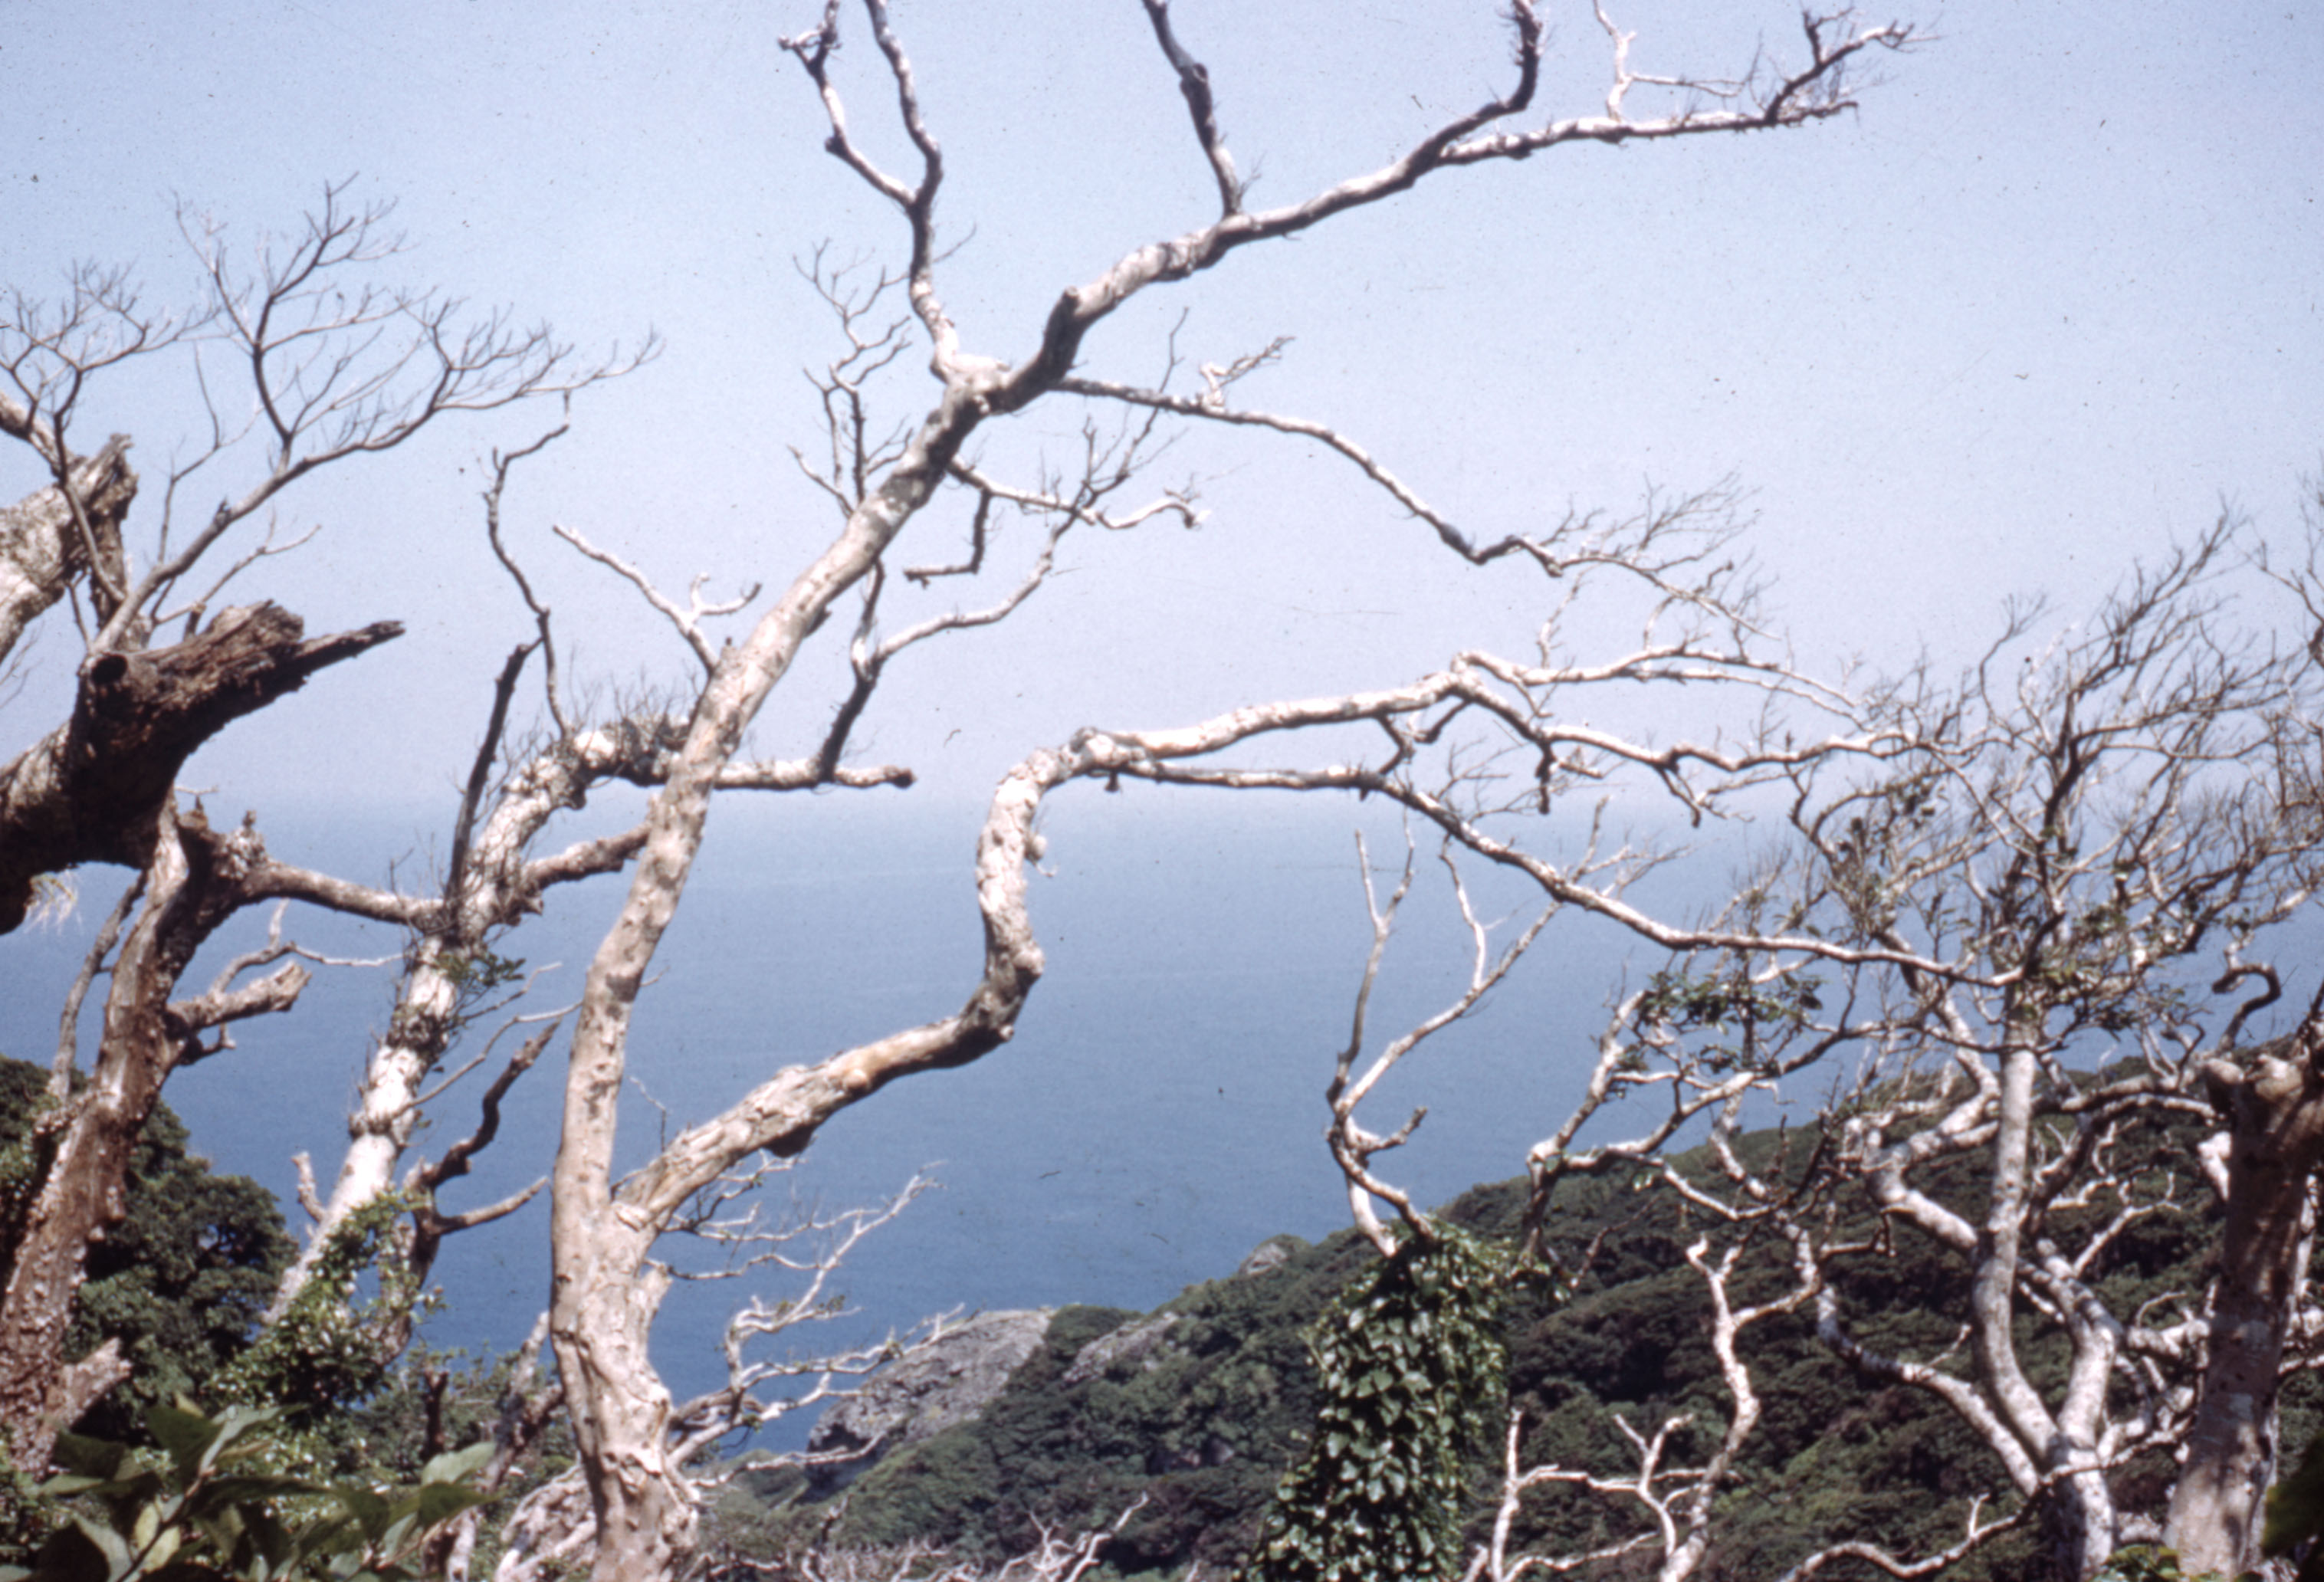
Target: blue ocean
(1159, 1112)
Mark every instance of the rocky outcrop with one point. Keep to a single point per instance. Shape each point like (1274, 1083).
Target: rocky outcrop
(1132, 1343)
(1268, 1255)
(946, 1383)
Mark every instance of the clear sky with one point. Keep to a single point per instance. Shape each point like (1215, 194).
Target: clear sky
(2050, 299)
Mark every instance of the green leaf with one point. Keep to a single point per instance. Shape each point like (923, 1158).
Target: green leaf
(164, 1548)
(369, 1511)
(94, 1459)
(398, 1533)
(238, 1433)
(109, 1543)
(65, 1485)
(329, 1536)
(187, 1436)
(453, 1465)
(247, 1490)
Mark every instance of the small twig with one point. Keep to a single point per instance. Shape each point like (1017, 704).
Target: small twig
(687, 622)
(552, 682)
(1194, 84)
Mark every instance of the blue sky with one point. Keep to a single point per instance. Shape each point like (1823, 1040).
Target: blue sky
(2045, 302)
(2050, 299)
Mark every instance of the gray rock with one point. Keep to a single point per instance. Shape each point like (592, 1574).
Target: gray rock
(921, 1397)
(1132, 1343)
(1271, 1254)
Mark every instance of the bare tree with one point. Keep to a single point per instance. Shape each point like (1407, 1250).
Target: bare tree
(2067, 883)
(336, 368)
(1056, 1557)
(333, 368)
(604, 1228)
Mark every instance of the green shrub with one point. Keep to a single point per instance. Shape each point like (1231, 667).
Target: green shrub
(211, 1507)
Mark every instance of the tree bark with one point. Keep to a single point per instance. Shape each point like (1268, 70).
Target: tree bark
(81, 1152)
(491, 886)
(606, 1291)
(41, 546)
(603, 1294)
(90, 790)
(2079, 1515)
(100, 789)
(2276, 1118)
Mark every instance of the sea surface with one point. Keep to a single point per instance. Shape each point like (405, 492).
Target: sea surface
(1159, 1113)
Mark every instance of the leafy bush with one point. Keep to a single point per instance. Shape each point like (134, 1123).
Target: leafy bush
(211, 1508)
(1206, 1424)
(325, 1352)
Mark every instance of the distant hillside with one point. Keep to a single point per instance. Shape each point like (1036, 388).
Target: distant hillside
(1202, 1409)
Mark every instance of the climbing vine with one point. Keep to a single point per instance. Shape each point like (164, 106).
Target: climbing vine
(325, 1350)
(1412, 1370)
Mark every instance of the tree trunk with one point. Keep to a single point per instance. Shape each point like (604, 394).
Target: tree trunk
(601, 1317)
(2079, 1514)
(82, 1150)
(2276, 1118)
(100, 789)
(644, 1507)
(606, 1291)
(387, 1111)
(489, 888)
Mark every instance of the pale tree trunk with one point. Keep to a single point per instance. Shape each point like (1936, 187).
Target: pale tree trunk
(604, 1291)
(43, 545)
(602, 1310)
(386, 1115)
(484, 889)
(2080, 1518)
(494, 886)
(100, 788)
(607, 1290)
(84, 1146)
(2276, 1118)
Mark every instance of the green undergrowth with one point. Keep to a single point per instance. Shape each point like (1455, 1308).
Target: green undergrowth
(1204, 1425)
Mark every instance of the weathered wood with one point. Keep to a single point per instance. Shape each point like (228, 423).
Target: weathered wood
(88, 791)
(2275, 1111)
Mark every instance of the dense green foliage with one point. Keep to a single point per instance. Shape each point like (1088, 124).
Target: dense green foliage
(211, 1507)
(1409, 1364)
(1207, 1423)
(326, 1349)
(183, 1277)
(1204, 1425)
(181, 1282)
(1385, 1474)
